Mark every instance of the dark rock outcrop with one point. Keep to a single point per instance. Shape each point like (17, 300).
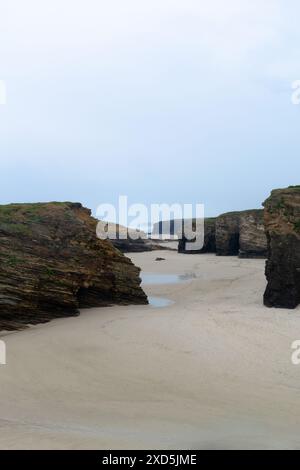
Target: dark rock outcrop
(241, 233)
(209, 245)
(52, 264)
(282, 223)
(228, 234)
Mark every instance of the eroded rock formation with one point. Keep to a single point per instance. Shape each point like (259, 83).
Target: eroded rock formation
(252, 239)
(241, 233)
(52, 264)
(282, 223)
(228, 234)
(209, 245)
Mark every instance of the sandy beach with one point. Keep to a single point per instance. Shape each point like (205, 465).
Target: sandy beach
(212, 370)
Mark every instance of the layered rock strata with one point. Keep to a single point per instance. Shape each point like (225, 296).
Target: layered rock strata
(52, 264)
(252, 239)
(241, 233)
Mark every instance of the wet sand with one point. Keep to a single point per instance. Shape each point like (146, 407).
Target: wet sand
(210, 370)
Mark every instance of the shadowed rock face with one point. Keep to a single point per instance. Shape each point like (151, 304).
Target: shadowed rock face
(209, 245)
(241, 233)
(228, 234)
(52, 264)
(282, 222)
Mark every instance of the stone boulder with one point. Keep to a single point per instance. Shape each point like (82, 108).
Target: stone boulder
(52, 264)
(282, 223)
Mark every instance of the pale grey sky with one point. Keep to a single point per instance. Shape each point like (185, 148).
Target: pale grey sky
(163, 100)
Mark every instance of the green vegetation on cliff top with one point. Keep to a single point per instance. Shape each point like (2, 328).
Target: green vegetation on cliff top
(11, 213)
(18, 218)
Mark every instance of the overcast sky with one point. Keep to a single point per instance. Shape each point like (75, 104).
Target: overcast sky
(161, 100)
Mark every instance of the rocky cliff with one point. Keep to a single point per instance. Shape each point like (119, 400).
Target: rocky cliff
(252, 239)
(209, 245)
(282, 223)
(228, 234)
(52, 264)
(241, 233)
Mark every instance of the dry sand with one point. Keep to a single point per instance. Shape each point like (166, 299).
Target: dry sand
(213, 370)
